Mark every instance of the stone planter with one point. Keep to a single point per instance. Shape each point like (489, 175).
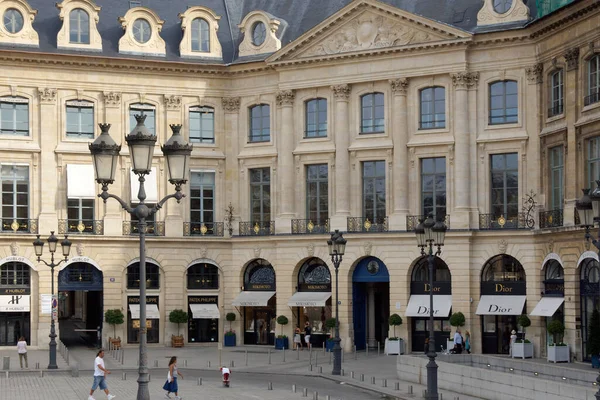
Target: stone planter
(177, 341)
(522, 350)
(394, 346)
(281, 343)
(558, 354)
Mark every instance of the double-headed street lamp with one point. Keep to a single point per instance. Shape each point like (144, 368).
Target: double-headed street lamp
(588, 208)
(141, 141)
(337, 246)
(430, 234)
(38, 246)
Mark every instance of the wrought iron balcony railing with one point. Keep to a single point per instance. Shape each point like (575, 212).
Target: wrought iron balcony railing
(19, 225)
(551, 218)
(361, 224)
(153, 228)
(413, 220)
(262, 228)
(308, 226)
(203, 229)
(555, 110)
(591, 99)
(499, 222)
(76, 226)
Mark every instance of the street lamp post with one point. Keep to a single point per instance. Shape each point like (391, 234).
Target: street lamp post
(430, 234)
(38, 246)
(141, 141)
(337, 246)
(588, 208)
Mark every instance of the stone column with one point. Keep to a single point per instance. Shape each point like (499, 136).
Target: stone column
(113, 217)
(175, 211)
(530, 153)
(342, 159)
(231, 108)
(572, 189)
(462, 169)
(285, 162)
(48, 132)
(400, 155)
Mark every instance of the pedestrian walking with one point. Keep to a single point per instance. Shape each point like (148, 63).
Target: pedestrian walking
(297, 338)
(513, 339)
(458, 342)
(22, 350)
(468, 342)
(307, 332)
(171, 384)
(100, 373)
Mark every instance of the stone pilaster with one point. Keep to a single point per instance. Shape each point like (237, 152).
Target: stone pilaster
(285, 161)
(231, 108)
(571, 85)
(48, 218)
(531, 166)
(175, 211)
(342, 159)
(400, 156)
(113, 115)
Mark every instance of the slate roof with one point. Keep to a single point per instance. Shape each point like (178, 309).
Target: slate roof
(296, 16)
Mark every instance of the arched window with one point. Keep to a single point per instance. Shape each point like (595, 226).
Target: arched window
(203, 276)
(372, 113)
(441, 273)
(14, 274)
(152, 276)
(260, 123)
(593, 80)
(554, 271)
(79, 26)
(316, 118)
(200, 35)
(504, 102)
(433, 108)
(503, 268)
(259, 272)
(141, 30)
(590, 271)
(314, 271)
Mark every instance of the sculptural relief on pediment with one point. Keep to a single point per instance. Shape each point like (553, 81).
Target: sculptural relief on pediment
(371, 31)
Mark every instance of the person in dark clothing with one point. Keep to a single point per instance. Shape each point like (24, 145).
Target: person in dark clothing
(307, 332)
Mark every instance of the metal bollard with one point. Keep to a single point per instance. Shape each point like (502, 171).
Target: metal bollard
(297, 353)
(284, 355)
(185, 363)
(384, 383)
(410, 389)
(123, 358)
(441, 396)
(320, 370)
(378, 348)
(155, 363)
(373, 380)
(232, 364)
(6, 363)
(305, 392)
(330, 353)
(367, 349)
(355, 355)
(270, 386)
(269, 356)
(208, 363)
(397, 386)
(425, 394)
(327, 397)
(343, 372)
(323, 347)
(362, 377)
(67, 356)
(293, 388)
(316, 359)
(315, 396)
(246, 357)
(41, 373)
(37, 365)
(310, 367)
(199, 382)
(6, 373)
(149, 377)
(352, 374)
(124, 376)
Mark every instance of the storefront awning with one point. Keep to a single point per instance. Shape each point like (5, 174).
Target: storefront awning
(500, 305)
(547, 306)
(151, 311)
(309, 299)
(418, 305)
(252, 299)
(205, 311)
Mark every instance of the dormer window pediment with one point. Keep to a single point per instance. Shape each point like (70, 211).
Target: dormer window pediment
(200, 26)
(502, 12)
(260, 34)
(79, 30)
(142, 28)
(16, 27)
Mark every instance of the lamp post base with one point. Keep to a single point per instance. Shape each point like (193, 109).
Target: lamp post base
(337, 357)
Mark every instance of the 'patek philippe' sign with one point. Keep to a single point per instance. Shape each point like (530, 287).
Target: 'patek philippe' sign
(202, 299)
(14, 303)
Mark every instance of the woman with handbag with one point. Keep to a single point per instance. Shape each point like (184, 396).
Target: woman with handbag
(171, 384)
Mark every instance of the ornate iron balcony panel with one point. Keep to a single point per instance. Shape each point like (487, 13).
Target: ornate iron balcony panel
(19, 225)
(203, 229)
(263, 228)
(495, 222)
(555, 110)
(413, 220)
(71, 226)
(551, 219)
(310, 227)
(591, 99)
(152, 229)
(361, 224)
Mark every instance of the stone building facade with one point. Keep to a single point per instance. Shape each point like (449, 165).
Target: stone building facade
(360, 119)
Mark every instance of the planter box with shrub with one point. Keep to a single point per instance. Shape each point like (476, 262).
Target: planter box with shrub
(522, 349)
(394, 346)
(559, 353)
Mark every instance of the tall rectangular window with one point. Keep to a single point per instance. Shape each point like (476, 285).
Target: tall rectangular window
(143, 109)
(433, 108)
(316, 118)
(260, 123)
(260, 195)
(433, 186)
(374, 191)
(79, 29)
(14, 116)
(556, 177)
(80, 215)
(504, 102)
(505, 185)
(372, 113)
(15, 196)
(202, 198)
(317, 193)
(556, 94)
(80, 119)
(202, 125)
(593, 162)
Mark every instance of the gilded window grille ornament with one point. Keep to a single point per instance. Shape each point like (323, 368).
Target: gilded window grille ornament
(15, 225)
(502, 221)
(256, 228)
(310, 226)
(81, 227)
(367, 224)
(203, 229)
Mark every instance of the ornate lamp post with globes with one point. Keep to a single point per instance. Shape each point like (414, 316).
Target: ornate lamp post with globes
(430, 234)
(337, 246)
(38, 246)
(105, 153)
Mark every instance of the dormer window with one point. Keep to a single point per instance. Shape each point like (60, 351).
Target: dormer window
(13, 20)
(79, 26)
(259, 33)
(502, 6)
(141, 30)
(200, 35)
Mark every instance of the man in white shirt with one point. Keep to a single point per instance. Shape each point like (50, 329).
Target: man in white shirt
(457, 341)
(99, 376)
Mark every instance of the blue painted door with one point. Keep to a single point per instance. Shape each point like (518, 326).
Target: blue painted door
(359, 304)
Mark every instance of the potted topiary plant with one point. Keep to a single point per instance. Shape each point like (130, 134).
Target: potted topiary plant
(523, 348)
(229, 337)
(593, 343)
(457, 320)
(557, 350)
(281, 342)
(114, 317)
(178, 317)
(330, 325)
(394, 345)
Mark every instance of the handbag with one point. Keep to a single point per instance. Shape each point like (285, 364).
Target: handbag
(169, 377)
